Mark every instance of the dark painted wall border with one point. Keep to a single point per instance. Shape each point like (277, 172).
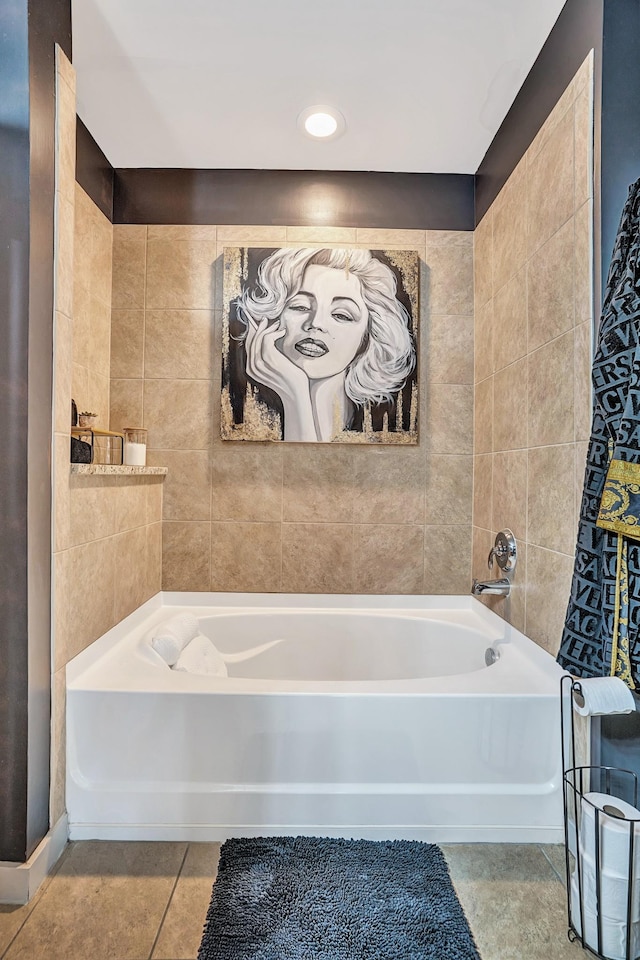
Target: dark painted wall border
(295, 197)
(577, 30)
(94, 173)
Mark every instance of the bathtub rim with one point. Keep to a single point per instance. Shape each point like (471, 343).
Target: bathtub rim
(542, 672)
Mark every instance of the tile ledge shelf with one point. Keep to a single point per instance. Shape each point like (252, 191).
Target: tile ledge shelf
(112, 470)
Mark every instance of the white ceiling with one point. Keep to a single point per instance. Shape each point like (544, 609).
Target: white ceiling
(423, 84)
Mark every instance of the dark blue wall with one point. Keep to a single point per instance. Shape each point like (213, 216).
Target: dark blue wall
(28, 29)
(620, 136)
(616, 739)
(14, 299)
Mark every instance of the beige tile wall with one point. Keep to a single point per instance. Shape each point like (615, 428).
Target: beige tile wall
(292, 518)
(93, 236)
(107, 537)
(533, 321)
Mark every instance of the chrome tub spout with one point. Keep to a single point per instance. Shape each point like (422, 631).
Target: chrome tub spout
(499, 588)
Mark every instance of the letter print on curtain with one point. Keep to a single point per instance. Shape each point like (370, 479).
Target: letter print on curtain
(601, 629)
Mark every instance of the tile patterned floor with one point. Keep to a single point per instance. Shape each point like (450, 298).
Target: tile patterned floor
(147, 901)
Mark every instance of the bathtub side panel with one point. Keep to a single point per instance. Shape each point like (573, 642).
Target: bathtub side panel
(301, 760)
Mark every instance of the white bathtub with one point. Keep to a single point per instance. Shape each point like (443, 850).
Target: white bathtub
(376, 717)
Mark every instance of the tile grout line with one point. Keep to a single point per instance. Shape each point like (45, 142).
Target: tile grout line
(166, 909)
(556, 874)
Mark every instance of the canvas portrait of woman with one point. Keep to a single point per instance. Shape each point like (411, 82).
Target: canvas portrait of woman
(319, 345)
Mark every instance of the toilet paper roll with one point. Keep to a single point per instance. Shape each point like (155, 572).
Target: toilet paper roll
(614, 933)
(613, 895)
(615, 833)
(603, 695)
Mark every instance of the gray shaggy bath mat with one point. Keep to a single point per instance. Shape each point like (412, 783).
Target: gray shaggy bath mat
(311, 898)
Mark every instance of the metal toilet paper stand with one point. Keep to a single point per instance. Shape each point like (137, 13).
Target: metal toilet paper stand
(590, 882)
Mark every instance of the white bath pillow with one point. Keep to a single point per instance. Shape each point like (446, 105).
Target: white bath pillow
(171, 637)
(200, 656)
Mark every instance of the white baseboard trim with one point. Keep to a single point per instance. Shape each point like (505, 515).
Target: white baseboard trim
(20, 881)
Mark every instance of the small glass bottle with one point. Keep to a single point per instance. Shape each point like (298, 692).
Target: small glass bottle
(135, 446)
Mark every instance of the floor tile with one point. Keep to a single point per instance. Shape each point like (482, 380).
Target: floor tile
(504, 861)
(182, 927)
(514, 903)
(106, 902)
(509, 920)
(11, 919)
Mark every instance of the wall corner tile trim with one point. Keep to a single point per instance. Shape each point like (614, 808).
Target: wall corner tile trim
(527, 476)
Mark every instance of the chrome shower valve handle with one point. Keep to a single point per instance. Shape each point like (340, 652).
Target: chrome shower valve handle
(504, 553)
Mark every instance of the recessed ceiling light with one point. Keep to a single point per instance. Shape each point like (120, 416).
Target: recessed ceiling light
(321, 122)
(321, 125)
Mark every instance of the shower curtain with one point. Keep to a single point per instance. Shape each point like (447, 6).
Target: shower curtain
(601, 632)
